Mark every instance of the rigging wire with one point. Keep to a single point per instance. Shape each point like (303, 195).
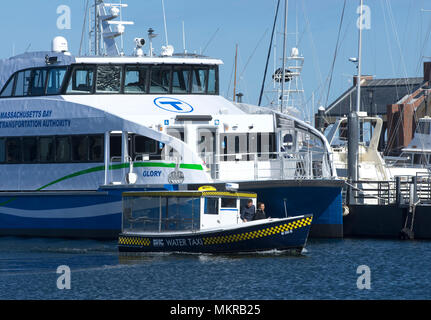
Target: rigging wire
(230, 80)
(269, 54)
(408, 86)
(253, 52)
(83, 27)
(209, 41)
(335, 52)
(422, 51)
(403, 64)
(313, 46)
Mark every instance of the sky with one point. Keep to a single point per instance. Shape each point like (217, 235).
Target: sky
(396, 39)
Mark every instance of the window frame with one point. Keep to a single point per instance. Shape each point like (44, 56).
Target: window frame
(69, 74)
(54, 137)
(47, 68)
(93, 66)
(147, 77)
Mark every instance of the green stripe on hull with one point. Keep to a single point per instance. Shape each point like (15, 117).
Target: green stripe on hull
(123, 166)
(115, 167)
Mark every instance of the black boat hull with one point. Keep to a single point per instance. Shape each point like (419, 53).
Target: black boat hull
(280, 234)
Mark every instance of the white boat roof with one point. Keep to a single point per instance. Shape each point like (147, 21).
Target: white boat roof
(149, 60)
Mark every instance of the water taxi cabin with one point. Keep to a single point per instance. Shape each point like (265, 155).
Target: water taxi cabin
(179, 211)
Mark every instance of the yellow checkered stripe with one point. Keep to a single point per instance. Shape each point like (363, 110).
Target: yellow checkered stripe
(258, 233)
(134, 241)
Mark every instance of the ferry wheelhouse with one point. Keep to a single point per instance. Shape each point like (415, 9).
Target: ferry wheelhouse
(77, 131)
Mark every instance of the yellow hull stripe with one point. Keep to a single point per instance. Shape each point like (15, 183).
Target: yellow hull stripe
(258, 233)
(134, 241)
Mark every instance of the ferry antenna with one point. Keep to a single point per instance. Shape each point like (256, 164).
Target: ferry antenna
(164, 22)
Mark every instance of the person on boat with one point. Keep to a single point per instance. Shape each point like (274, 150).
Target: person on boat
(247, 212)
(260, 212)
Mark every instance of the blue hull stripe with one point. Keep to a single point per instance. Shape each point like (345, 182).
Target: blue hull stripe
(106, 222)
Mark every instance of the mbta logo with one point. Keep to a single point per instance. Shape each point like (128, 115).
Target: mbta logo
(173, 105)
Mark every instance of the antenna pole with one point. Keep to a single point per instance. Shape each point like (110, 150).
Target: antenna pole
(284, 55)
(234, 81)
(184, 40)
(96, 29)
(164, 21)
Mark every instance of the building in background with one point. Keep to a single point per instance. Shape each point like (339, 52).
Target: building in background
(400, 102)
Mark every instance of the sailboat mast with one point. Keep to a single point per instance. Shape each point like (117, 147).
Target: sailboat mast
(284, 55)
(358, 83)
(353, 120)
(234, 80)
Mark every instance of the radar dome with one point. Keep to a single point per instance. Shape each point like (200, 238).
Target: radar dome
(59, 44)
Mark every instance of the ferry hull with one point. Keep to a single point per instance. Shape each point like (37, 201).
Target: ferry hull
(97, 214)
(93, 214)
(282, 234)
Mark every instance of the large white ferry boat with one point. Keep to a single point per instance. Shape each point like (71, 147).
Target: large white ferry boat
(77, 131)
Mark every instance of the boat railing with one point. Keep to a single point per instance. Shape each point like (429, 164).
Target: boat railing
(268, 165)
(402, 191)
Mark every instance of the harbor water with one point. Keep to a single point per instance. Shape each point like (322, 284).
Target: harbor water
(326, 270)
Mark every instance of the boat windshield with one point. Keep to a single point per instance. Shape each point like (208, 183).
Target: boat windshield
(35, 82)
(160, 214)
(337, 134)
(113, 78)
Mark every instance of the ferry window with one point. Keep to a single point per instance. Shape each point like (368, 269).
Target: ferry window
(236, 144)
(80, 148)
(135, 80)
(2, 150)
(8, 88)
(115, 147)
(29, 145)
(96, 148)
(62, 149)
(13, 147)
(46, 149)
(160, 79)
(199, 80)
(108, 79)
(55, 79)
(211, 206)
(81, 81)
(38, 82)
(181, 80)
(22, 83)
(145, 145)
(228, 202)
(212, 89)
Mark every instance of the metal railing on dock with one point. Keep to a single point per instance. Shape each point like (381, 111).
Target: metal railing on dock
(403, 191)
